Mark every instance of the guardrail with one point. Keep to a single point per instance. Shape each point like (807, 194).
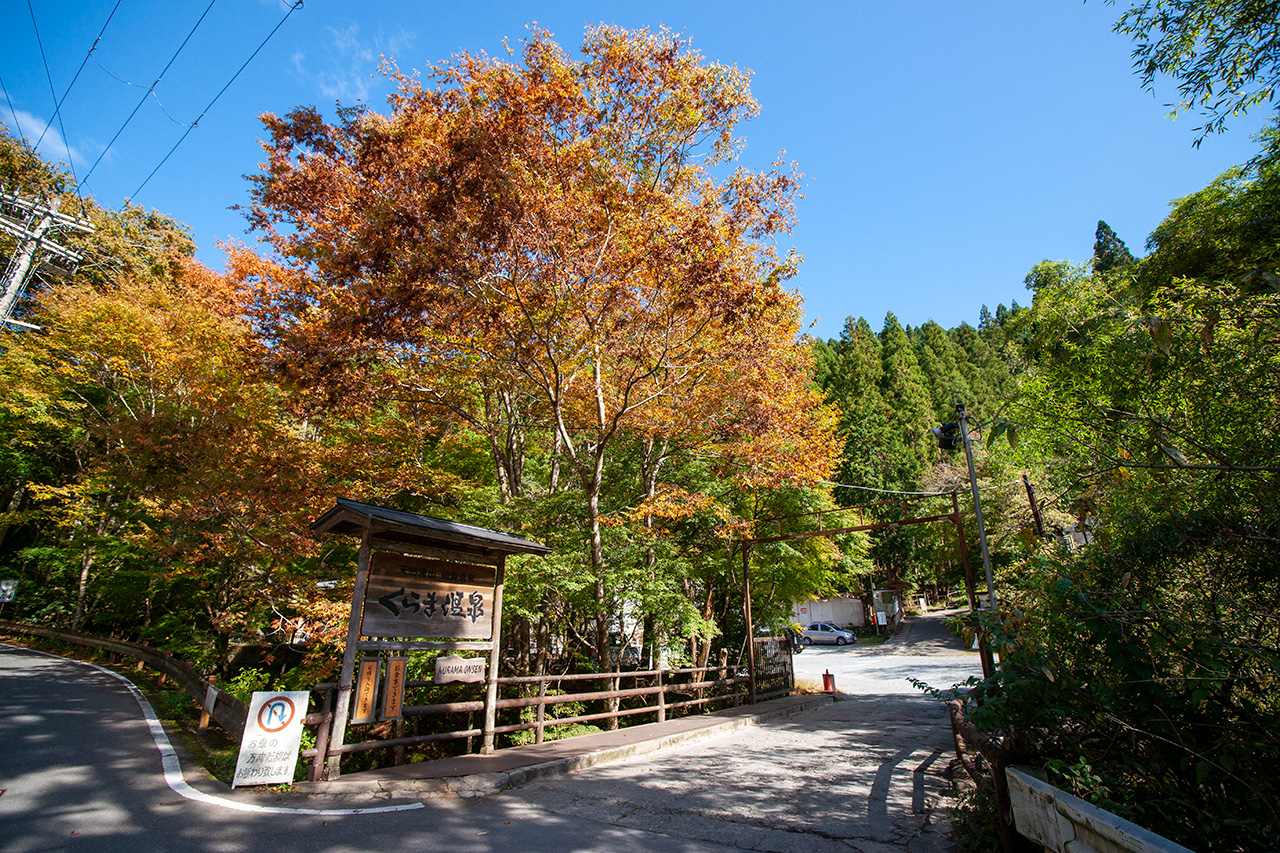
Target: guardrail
(1029, 809)
(226, 710)
(1063, 823)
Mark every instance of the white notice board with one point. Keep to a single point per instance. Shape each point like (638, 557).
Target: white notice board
(272, 734)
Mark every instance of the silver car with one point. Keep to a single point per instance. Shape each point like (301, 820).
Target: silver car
(825, 632)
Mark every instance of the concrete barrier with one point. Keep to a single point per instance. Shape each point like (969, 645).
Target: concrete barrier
(1064, 823)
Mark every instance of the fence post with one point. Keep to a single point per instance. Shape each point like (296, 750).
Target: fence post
(542, 709)
(316, 773)
(662, 696)
(210, 697)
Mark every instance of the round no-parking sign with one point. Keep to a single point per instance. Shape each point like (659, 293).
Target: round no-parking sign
(272, 733)
(276, 714)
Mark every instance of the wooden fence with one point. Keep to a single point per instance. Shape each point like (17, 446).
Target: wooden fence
(225, 709)
(657, 692)
(660, 692)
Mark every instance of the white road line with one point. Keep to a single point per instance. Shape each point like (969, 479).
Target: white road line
(173, 769)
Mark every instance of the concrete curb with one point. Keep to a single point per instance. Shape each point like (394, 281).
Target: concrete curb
(482, 784)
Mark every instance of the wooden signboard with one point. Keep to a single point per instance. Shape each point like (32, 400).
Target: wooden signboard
(394, 695)
(367, 693)
(451, 668)
(415, 597)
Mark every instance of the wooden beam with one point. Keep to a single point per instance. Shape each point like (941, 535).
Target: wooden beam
(449, 555)
(835, 531)
(495, 659)
(342, 709)
(424, 645)
(746, 606)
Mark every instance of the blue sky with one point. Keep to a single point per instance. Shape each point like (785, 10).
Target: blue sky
(947, 145)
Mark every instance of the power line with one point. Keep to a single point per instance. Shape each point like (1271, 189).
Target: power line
(150, 89)
(154, 95)
(295, 5)
(16, 125)
(57, 111)
(66, 146)
(882, 491)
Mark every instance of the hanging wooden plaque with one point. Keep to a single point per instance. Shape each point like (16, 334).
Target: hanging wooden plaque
(415, 597)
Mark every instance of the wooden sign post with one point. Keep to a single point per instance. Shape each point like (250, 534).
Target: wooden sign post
(338, 732)
(421, 583)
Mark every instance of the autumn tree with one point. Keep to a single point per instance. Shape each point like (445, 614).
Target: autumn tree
(554, 248)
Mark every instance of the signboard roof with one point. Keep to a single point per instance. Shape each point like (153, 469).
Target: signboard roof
(393, 526)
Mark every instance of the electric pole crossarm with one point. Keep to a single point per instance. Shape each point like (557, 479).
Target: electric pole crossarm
(36, 225)
(45, 245)
(36, 206)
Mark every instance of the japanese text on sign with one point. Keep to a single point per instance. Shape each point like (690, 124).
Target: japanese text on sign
(413, 597)
(272, 733)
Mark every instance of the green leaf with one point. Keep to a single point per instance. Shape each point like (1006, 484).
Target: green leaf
(1161, 333)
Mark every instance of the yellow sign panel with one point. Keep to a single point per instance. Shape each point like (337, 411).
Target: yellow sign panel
(367, 692)
(415, 597)
(394, 697)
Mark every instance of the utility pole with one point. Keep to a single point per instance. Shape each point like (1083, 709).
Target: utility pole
(37, 226)
(992, 604)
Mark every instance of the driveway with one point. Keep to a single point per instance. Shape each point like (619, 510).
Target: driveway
(864, 774)
(923, 648)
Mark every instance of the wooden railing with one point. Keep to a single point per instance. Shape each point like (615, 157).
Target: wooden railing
(662, 691)
(225, 709)
(666, 691)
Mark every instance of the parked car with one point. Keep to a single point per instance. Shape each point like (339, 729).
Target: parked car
(825, 632)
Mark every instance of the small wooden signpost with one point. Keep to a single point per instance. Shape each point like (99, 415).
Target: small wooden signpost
(421, 583)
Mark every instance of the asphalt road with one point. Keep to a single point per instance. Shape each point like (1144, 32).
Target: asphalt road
(923, 649)
(80, 771)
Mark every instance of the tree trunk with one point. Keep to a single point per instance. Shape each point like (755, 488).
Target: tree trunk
(86, 564)
(15, 503)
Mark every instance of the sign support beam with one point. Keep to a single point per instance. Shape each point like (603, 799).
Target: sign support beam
(342, 708)
(495, 654)
(751, 631)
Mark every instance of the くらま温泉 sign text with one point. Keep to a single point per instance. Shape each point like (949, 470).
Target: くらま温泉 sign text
(415, 597)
